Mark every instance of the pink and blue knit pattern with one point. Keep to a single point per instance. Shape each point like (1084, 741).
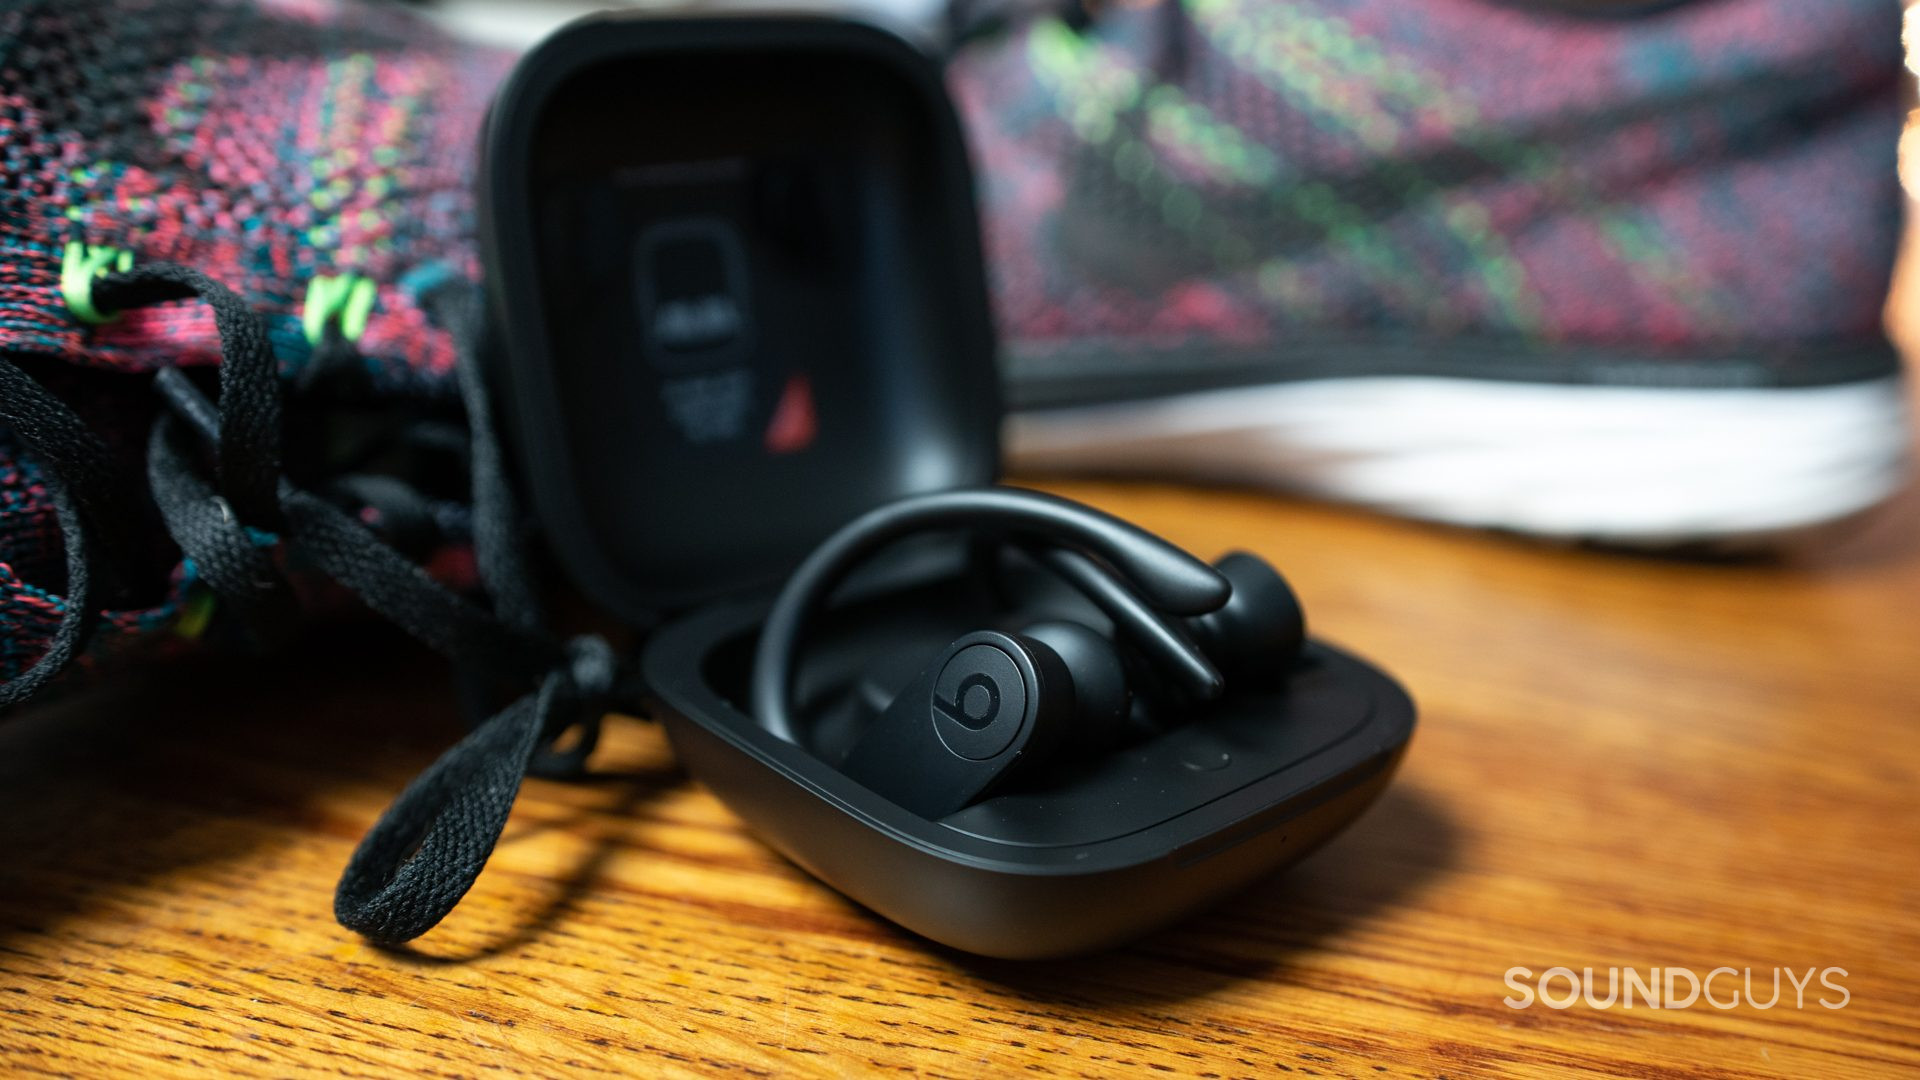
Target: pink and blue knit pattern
(317, 156)
(272, 145)
(1236, 173)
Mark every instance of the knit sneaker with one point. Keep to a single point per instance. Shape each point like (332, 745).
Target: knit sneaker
(1500, 264)
(237, 295)
(311, 159)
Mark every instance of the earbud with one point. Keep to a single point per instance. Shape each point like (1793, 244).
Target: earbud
(1166, 577)
(989, 706)
(993, 705)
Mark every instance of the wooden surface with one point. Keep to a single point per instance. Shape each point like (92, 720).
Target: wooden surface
(1621, 762)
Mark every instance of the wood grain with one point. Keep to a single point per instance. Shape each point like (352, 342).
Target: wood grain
(1622, 761)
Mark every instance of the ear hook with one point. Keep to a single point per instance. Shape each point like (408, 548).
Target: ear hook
(1170, 646)
(1168, 578)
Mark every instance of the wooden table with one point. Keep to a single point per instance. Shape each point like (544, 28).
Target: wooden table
(1621, 762)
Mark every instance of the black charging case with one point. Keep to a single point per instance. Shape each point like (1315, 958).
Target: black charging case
(736, 298)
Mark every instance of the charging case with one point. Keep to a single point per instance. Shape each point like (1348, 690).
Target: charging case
(736, 298)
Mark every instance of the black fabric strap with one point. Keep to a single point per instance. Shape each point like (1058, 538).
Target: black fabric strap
(249, 459)
(209, 533)
(102, 499)
(351, 554)
(404, 518)
(426, 851)
(497, 545)
(76, 619)
(429, 847)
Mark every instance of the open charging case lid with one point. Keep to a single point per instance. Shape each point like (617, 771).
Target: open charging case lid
(735, 266)
(736, 299)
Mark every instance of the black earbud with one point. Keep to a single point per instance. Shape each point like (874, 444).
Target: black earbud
(994, 705)
(1159, 573)
(990, 706)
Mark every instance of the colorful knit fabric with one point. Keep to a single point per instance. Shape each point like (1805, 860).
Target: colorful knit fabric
(1295, 188)
(1206, 190)
(317, 156)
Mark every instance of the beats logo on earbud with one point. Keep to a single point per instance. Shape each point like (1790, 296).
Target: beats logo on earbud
(975, 704)
(989, 704)
(992, 705)
(968, 700)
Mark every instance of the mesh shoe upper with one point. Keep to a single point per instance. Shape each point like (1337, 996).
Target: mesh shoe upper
(316, 156)
(272, 145)
(1242, 190)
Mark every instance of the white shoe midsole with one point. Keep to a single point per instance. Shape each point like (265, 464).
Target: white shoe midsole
(1594, 461)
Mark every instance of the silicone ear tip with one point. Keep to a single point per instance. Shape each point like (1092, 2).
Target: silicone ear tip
(1101, 697)
(1263, 620)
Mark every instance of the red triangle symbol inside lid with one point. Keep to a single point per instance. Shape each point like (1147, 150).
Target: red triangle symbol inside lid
(794, 424)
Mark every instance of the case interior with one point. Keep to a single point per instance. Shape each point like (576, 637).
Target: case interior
(734, 268)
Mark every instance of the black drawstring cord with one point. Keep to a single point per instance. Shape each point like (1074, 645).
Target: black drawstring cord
(500, 555)
(82, 471)
(210, 536)
(426, 851)
(498, 550)
(421, 857)
(77, 472)
(76, 619)
(248, 463)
